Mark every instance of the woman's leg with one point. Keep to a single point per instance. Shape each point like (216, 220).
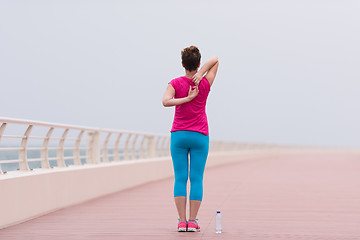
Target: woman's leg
(198, 157)
(194, 209)
(180, 160)
(180, 203)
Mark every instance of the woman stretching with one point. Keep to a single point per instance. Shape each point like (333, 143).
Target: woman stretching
(190, 133)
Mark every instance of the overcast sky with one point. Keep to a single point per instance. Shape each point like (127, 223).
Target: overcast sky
(289, 70)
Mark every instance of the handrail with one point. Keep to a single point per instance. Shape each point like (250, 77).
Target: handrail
(60, 125)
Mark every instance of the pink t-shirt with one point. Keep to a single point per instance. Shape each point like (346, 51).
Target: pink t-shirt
(190, 116)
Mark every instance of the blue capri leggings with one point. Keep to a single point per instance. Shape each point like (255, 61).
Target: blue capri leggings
(185, 144)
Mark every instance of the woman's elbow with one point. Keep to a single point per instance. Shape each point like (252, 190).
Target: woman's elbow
(165, 103)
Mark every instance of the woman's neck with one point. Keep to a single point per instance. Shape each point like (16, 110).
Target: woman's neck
(189, 74)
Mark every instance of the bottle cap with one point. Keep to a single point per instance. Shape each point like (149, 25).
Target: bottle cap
(218, 212)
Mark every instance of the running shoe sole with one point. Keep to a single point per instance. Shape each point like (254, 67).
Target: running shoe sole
(193, 230)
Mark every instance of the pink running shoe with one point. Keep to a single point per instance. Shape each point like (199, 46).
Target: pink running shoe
(193, 226)
(182, 226)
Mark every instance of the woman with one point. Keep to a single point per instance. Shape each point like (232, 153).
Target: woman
(189, 133)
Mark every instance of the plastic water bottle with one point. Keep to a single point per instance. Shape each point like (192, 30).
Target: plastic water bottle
(218, 222)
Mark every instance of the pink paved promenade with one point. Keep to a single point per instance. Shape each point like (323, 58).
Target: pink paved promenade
(303, 196)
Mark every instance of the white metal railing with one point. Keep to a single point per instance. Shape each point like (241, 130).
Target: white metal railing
(126, 145)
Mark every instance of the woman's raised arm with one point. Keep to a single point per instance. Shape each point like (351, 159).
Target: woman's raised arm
(210, 68)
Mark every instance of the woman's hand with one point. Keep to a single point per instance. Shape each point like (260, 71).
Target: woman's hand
(197, 78)
(193, 92)
(169, 100)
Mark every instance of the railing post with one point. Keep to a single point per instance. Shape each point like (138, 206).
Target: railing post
(93, 147)
(23, 164)
(157, 147)
(2, 129)
(77, 160)
(126, 147)
(105, 148)
(44, 151)
(167, 153)
(133, 150)
(60, 152)
(151, 147)
(116, 148)
(163, 147)
(141, 148)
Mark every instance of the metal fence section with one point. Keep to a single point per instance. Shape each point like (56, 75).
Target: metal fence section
(76, 145)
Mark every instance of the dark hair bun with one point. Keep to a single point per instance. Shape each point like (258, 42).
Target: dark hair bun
(191, 50)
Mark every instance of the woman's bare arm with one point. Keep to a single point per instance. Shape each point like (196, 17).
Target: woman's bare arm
(210, 68)
(169, 100)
